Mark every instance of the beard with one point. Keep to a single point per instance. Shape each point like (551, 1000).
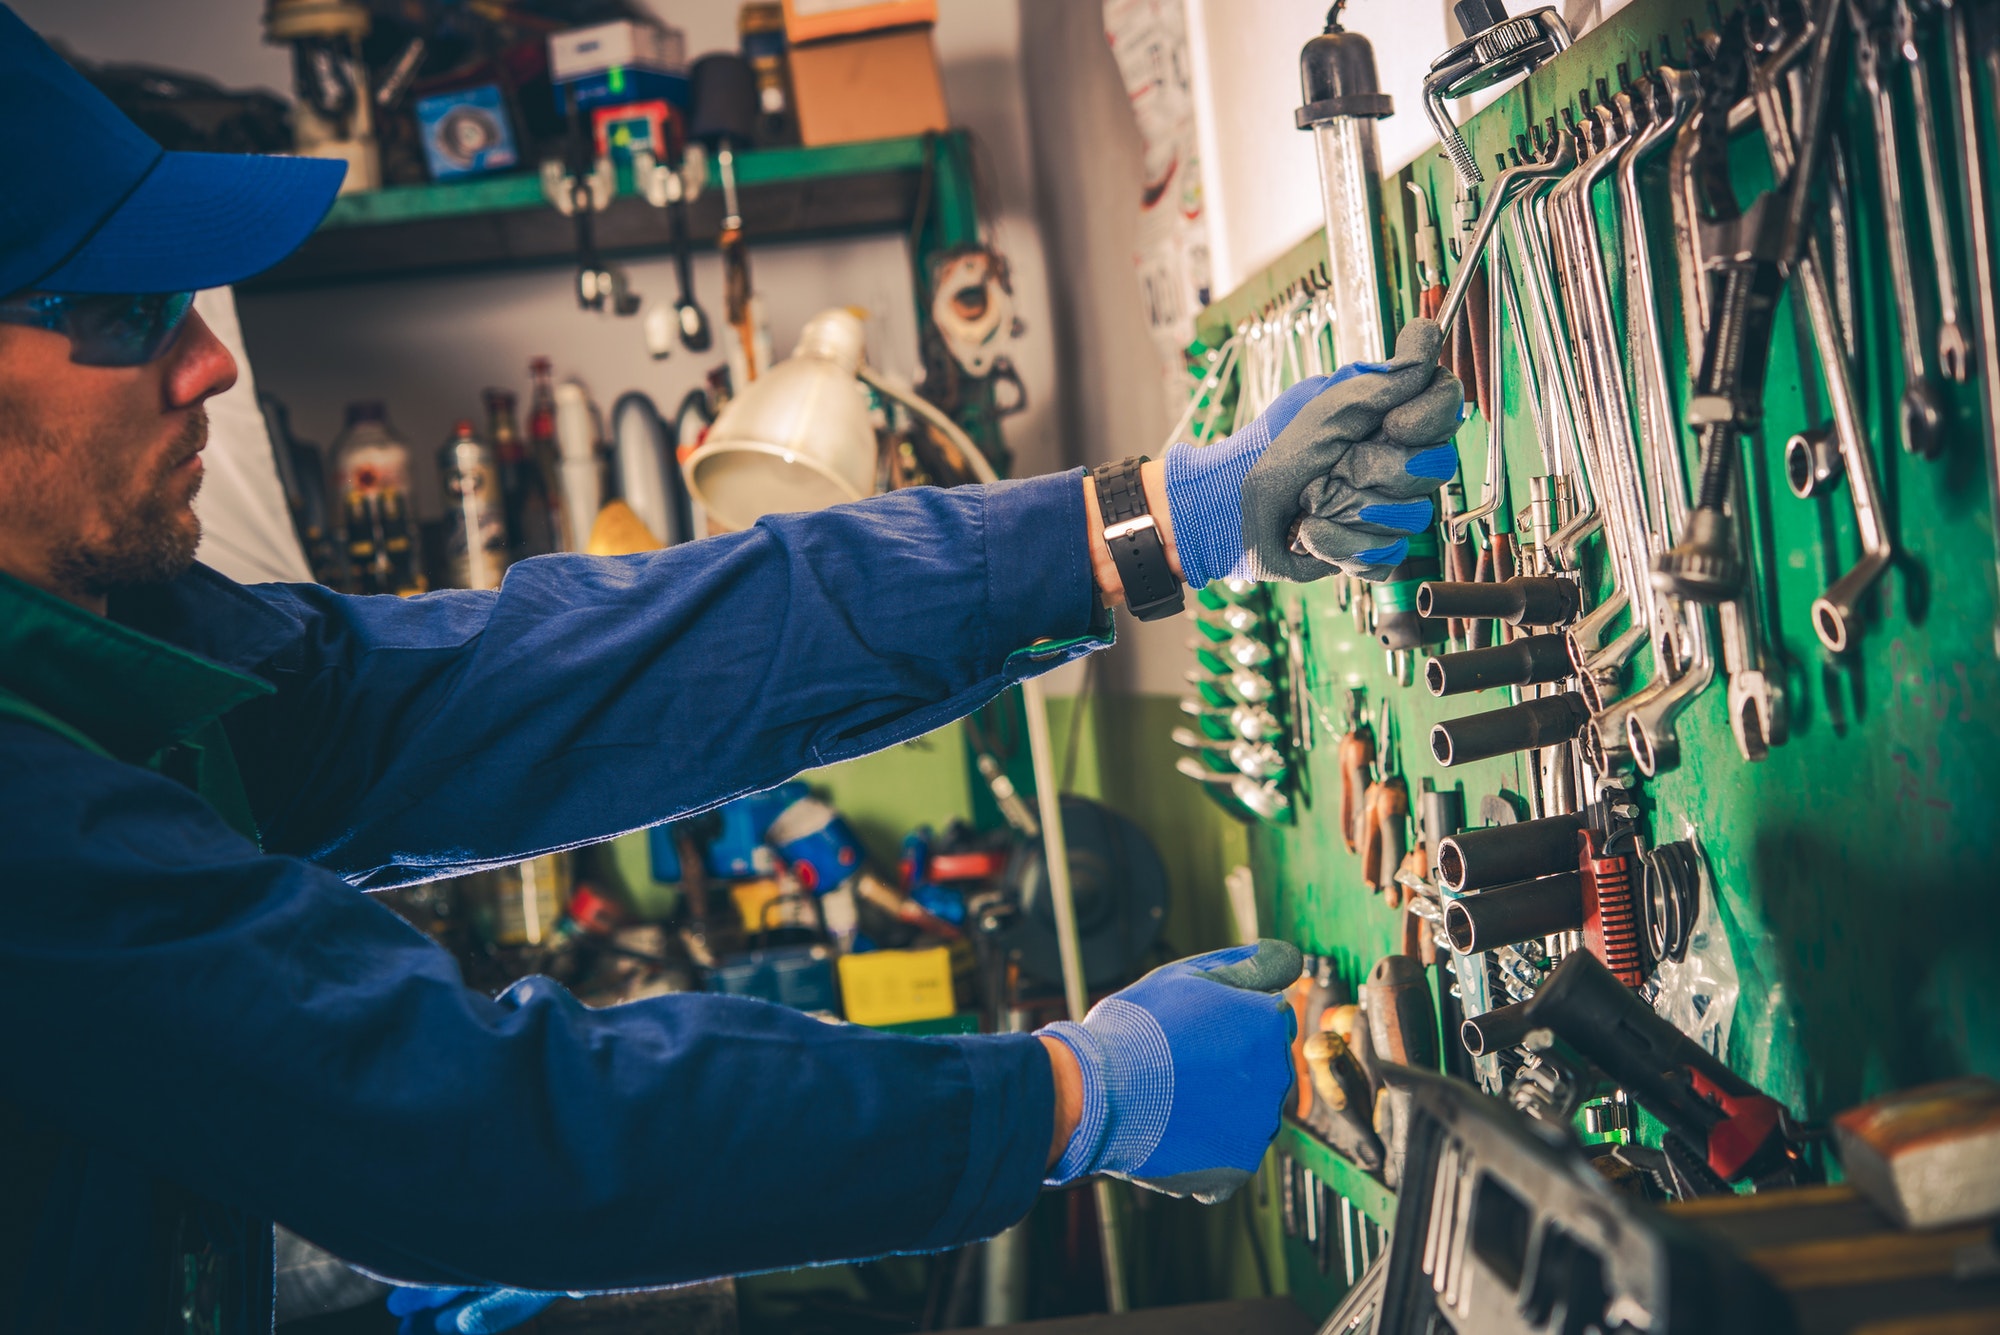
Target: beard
(152, 541)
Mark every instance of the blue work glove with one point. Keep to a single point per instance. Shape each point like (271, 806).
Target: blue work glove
(1185, 1073)
(465, 1311)
(1334, 475)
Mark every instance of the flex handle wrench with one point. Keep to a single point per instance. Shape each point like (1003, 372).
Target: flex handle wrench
(1922, 408)
(1649, 721)
(1567, 540)
(1593, 434)
(1620, 125)
(1681, 654)
(1669, 100)
(1954, 349)
(1581, 251)
(1985, 299)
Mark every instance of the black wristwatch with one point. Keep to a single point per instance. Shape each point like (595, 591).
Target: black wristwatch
(1152, 590)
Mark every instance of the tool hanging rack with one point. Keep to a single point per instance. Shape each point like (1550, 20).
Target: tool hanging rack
(1715, 590)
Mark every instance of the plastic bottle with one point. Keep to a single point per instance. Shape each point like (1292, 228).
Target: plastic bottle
(531, 525)
(475, 542)
(546, 453)
(528, 899)
(371, 476)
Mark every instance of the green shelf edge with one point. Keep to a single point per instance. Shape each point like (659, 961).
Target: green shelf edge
(965, 1022)
(1369, 1196)
(523, 190)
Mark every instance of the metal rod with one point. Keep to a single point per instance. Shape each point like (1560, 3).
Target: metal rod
(1055, 854)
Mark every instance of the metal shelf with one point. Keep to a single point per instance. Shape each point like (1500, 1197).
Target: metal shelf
(501, 222)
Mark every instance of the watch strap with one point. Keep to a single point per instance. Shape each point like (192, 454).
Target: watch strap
(1152, 590)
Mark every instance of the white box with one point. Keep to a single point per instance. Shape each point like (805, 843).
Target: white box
(582, 52)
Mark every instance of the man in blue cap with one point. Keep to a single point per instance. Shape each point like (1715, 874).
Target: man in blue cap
(213, 1030)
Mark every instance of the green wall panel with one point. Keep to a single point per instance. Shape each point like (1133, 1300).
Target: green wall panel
(1857, 870)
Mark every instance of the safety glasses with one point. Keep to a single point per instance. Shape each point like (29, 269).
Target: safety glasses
(104, 329)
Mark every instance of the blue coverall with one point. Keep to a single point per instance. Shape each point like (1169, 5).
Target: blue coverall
(205, 1035)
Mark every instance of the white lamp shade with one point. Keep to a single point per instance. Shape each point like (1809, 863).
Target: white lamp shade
(799, 437)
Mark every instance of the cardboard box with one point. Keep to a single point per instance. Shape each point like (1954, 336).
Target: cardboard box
(624, 44)
(880, 86)
(817, 20)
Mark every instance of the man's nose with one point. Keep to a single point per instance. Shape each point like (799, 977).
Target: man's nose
(199, 367)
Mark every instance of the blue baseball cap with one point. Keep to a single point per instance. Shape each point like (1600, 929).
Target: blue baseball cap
(89, 203)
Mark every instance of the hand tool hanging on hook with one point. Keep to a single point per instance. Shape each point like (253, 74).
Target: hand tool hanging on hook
(1495, 49)
(1954, 346)
(1385, 839)
(1613, 460)
(1757, 712)
(581, 185)
(1794, 143)
(1747, 254)
(669, 184)
(725, 119)
(1876, 50)
(1683, 652)
(1968, 126)
(1470, 278)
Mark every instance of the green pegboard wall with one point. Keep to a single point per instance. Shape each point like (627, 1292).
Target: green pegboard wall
(1856, 871)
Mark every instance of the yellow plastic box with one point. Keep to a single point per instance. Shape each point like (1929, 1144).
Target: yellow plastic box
(896, 986)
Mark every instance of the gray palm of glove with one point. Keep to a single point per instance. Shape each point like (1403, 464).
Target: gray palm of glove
(1349, 478)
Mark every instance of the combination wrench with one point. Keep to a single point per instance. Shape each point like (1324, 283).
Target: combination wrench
(1954, 349)
(1580, 257)
(1985, 301)
(1789, 146)
(1649, 715)
(1922, 408)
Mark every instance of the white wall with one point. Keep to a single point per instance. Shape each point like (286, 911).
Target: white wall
(222, 39)
(1263, 186)
(1088, 177)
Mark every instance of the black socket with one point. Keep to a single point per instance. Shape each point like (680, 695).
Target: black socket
(1501, 1028)
(1528, 661)
(1476, 16)
(1499, 732)
(1440, 814)
(1525, 600)
(1500, 854)
(1507, 915)
(1407, 630)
